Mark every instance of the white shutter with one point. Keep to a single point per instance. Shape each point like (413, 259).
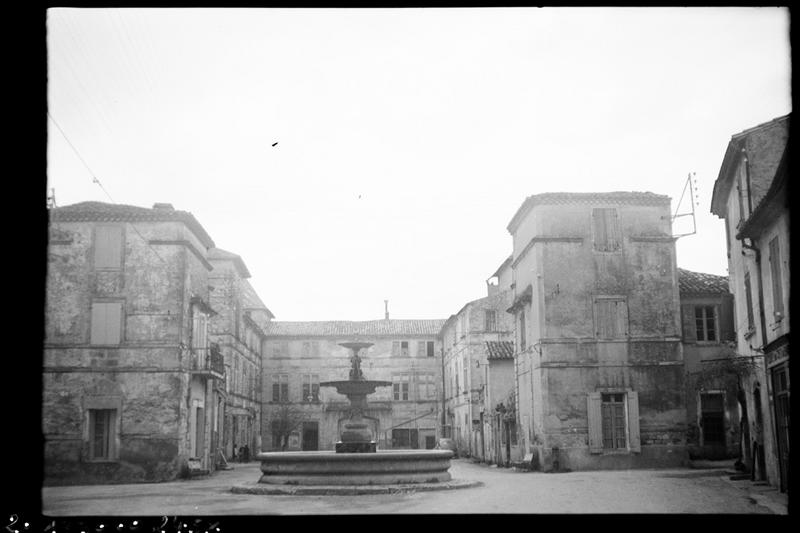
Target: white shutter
(633, 421)
(595, 420)
(108, 247)
(106, 322)
(113, 323)
(421, 349)
(395, 348)
(98, 333)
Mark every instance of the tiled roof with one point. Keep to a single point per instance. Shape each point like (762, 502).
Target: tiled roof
(500, 349)
(763, 145)
(103, 212)
(219, 253)
(251, 299)
(698, 282)
(616, 197)
(346, 328)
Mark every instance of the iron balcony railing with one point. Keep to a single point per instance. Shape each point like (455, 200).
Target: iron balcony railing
(208, 360)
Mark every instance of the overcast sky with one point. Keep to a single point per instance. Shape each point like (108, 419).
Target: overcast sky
(407, 138)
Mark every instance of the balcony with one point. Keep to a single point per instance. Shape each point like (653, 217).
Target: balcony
(208, 362)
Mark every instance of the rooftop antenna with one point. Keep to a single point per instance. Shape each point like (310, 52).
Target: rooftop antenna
(51, 199)
(692, 186)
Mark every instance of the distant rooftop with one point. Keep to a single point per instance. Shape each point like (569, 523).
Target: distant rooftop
(105, 212)
(346, 328)
(697, 282)
(616, 197)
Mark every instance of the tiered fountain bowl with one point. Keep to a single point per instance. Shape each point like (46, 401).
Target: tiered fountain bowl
(356, 466)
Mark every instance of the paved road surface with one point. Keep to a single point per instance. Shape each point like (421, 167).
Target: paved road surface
(503, 491)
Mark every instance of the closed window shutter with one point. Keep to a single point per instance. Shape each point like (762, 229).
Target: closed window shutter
(775, 271)
(113, 323)
(108, 247)
(593, 410)
(689, 324)
(105, 327)
(421, 349)
(633, 421)
(612, 230)
(600, 234)
(621, 314)
(396, 348)
(98, 334)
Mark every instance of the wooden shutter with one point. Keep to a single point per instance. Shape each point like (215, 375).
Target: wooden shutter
(108, 247)
(689, 325)
(106, 323)
(595, 422)
(633, 421)
(600, 233)
(421, 349)
(613, 236)
(775, 271)
(620, 310)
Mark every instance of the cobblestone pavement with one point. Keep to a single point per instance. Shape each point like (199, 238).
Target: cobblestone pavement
(502, 491)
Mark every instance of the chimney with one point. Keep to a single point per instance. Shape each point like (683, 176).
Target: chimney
(163, 207)
(386, 304)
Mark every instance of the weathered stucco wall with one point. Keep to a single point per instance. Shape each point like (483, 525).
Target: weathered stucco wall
(144, 377)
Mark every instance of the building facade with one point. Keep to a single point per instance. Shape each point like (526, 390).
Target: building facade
(599, 365)
(477, 362)
(238, 330)
(750, 195)
(298, 414)
(713, 381)
(130, 375)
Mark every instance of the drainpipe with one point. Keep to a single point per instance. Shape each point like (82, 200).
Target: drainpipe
(757, 252)
(444, 389)
(761, 314)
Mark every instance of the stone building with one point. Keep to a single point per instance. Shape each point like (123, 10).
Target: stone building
(238, 329)
(300, 355)
(478, 373)
(599, 363)
(713, 386)
(750, 195)
(129, 384)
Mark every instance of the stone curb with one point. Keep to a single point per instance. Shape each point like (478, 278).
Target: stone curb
(350, 490)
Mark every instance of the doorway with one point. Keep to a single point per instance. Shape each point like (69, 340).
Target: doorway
(310, 436)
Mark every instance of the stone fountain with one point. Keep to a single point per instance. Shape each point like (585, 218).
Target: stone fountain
(356, 466)
(356, 436)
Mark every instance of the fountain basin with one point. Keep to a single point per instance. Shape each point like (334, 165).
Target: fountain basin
(385, 467)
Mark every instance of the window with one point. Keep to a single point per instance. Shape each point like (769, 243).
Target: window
(199, 329)
(613, 421)
(613, 413)
(280, 388)
(280, 349)
(611, 317)
(777, 284)
(102, 432)
(405, 438)
(705, 318)
(606, 229)
(108, 247)
(522, 330)
(106, 323)
(430, 348)
(712, 418)
(404, 348)
(421, 349)
(491, 320)
(426, 384)
(749, 302)
(400, 387)
(466, 381)
(310, 388)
